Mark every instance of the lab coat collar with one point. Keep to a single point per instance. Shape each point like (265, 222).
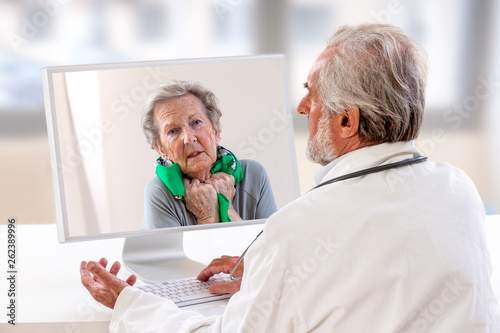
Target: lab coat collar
(367, 157)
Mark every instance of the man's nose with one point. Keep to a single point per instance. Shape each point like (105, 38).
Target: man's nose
(303, 107)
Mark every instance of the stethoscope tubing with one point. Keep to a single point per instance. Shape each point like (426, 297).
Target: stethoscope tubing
(368, 171)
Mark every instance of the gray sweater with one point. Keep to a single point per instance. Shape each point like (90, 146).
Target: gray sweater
(253, 199)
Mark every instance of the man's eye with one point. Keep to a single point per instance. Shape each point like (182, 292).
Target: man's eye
(308, 90)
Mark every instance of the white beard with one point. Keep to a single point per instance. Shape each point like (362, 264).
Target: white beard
(321, 148)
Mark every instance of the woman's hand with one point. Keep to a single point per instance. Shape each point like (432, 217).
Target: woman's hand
(201, 200)
(223, 183)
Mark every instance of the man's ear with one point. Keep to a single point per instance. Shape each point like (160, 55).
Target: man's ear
(349, 122)
(159, 149)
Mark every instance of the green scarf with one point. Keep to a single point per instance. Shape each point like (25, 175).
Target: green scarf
(227, 162)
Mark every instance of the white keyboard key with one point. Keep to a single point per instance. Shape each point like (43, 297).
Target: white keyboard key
(187, 291)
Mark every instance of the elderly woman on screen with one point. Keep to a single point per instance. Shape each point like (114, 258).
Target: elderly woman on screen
(197, 181)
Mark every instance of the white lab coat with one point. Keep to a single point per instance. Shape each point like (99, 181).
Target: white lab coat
(401, 250)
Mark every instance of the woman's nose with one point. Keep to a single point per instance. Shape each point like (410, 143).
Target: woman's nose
(189, 135)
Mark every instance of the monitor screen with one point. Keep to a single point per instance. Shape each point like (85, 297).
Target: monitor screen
(102, 161)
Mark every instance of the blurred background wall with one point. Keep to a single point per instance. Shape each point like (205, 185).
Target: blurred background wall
(461, 37)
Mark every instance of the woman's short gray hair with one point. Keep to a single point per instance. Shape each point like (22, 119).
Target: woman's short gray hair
(380, 70)
(173, 89)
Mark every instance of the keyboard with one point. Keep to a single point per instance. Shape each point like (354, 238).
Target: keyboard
(187, 291)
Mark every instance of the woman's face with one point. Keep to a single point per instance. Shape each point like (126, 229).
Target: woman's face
(187, 136)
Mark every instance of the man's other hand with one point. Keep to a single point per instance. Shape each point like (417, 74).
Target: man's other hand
(104, 286)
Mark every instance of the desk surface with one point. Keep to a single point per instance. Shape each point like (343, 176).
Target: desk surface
(50, 296)
(51, 299)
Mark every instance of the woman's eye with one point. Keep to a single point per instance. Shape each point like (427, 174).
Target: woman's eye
(172, 131)
(196, 122)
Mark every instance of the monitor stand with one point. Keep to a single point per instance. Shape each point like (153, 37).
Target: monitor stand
(159, 257)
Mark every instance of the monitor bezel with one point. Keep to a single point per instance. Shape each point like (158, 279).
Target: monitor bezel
(55, 154)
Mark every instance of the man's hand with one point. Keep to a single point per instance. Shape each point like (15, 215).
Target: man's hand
(104, 286)
(223, 265)
(201, 200)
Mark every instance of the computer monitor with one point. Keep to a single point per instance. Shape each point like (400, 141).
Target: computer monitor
(101, 160)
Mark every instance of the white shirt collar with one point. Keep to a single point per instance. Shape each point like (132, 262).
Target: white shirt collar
(367, 157)
(319, 175)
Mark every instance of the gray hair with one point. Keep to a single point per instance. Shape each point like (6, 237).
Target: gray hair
(173, 89)
(379, 69)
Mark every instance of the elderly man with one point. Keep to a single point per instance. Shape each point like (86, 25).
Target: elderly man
(388, 243)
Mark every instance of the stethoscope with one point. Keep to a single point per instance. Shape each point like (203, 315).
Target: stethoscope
(355, 174)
